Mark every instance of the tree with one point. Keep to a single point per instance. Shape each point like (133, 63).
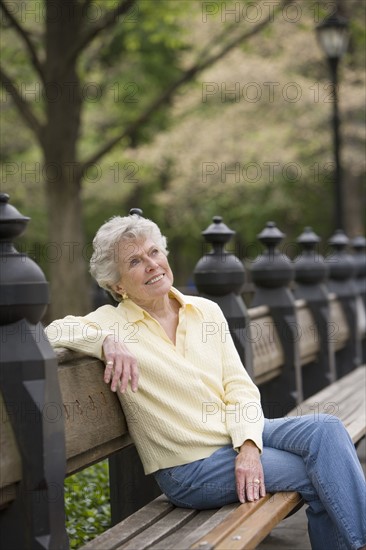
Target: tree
(70, 33)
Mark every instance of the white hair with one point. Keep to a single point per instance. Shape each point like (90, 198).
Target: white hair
(104, 265)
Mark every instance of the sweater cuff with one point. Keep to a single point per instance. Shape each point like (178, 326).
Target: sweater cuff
(240, 437)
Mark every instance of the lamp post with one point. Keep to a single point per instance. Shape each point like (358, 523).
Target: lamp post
(332, 34)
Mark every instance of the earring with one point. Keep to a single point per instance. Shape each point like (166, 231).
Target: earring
(124, 295)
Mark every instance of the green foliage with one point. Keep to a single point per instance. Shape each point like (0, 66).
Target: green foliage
(161, 170)
(87, 504)
(131, 66)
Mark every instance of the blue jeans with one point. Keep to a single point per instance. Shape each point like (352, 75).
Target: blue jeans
(313, 456)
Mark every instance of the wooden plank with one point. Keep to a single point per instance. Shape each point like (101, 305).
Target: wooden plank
(131, 526)
(96, 454)
(197, 528)
(165, 526)
(357, 430)
(309, 341)
(341, 393)
(339, 330)
(345, 398)
(92, 412)
(267, 350)
(257, 526)
(65, 355)
(257, 312)
(231, 522)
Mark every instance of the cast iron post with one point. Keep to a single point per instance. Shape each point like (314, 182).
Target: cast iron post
(310, 274)
(342, 270)
(333, 38)
(359, 247)
(30, 389)
(219, 275)
(272, 273)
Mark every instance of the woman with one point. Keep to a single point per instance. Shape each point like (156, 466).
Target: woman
(191, 408)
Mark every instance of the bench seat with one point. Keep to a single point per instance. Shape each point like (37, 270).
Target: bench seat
(160, 525)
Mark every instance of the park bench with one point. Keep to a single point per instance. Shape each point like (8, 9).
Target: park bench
(95, 429)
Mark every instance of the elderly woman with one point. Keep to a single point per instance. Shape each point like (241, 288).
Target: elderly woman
(199, 426)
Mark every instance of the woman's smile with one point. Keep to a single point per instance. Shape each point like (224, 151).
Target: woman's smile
(155, 279)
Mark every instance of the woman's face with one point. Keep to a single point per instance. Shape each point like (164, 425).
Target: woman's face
(144, 269)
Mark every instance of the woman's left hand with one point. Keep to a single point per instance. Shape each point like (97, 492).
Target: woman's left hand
(249, 473)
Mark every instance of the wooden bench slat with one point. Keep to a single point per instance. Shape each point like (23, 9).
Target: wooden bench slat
(257, 526)
(166, 525)
(339, 328)
(241, 512)
(309, 341)
(357, 430)
(348, 397)
(202, 524)
(336, 393)
(88, 402)
(268, 354)
(131, 526)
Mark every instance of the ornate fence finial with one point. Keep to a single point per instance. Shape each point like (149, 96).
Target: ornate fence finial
(23, 287)
(136, 212)
(219, 272)
(310, 266)
(272, 269)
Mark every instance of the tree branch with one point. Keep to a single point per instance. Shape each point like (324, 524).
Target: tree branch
(26, 113)
(167, 94)
(240, 38)
(104, 23)
(26, 39)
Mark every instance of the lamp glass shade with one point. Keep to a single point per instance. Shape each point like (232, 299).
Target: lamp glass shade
(333, 40)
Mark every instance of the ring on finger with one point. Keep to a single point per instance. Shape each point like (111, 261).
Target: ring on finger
(256, 480)
(110, 362)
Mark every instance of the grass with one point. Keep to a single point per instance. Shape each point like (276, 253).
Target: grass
(87, 504)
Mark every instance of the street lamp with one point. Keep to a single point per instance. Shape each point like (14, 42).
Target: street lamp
(332, 36)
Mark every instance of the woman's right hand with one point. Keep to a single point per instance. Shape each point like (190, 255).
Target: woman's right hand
(121, 365)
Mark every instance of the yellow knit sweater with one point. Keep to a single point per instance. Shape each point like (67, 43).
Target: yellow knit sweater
(193, 397)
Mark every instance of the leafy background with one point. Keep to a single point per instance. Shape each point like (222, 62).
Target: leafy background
(87, 504)
(161, 171)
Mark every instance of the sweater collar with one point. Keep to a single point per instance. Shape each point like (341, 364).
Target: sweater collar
(136, 313)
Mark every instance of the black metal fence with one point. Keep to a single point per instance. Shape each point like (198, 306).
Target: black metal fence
(28, 366)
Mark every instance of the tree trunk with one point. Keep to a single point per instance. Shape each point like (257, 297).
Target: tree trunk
(67, 253)
(66, 249)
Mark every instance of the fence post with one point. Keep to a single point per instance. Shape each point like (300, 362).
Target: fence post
(33, 405)
(219, 275)
(342, 270)
(310, 274)
(359, 247)
(272, 273)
